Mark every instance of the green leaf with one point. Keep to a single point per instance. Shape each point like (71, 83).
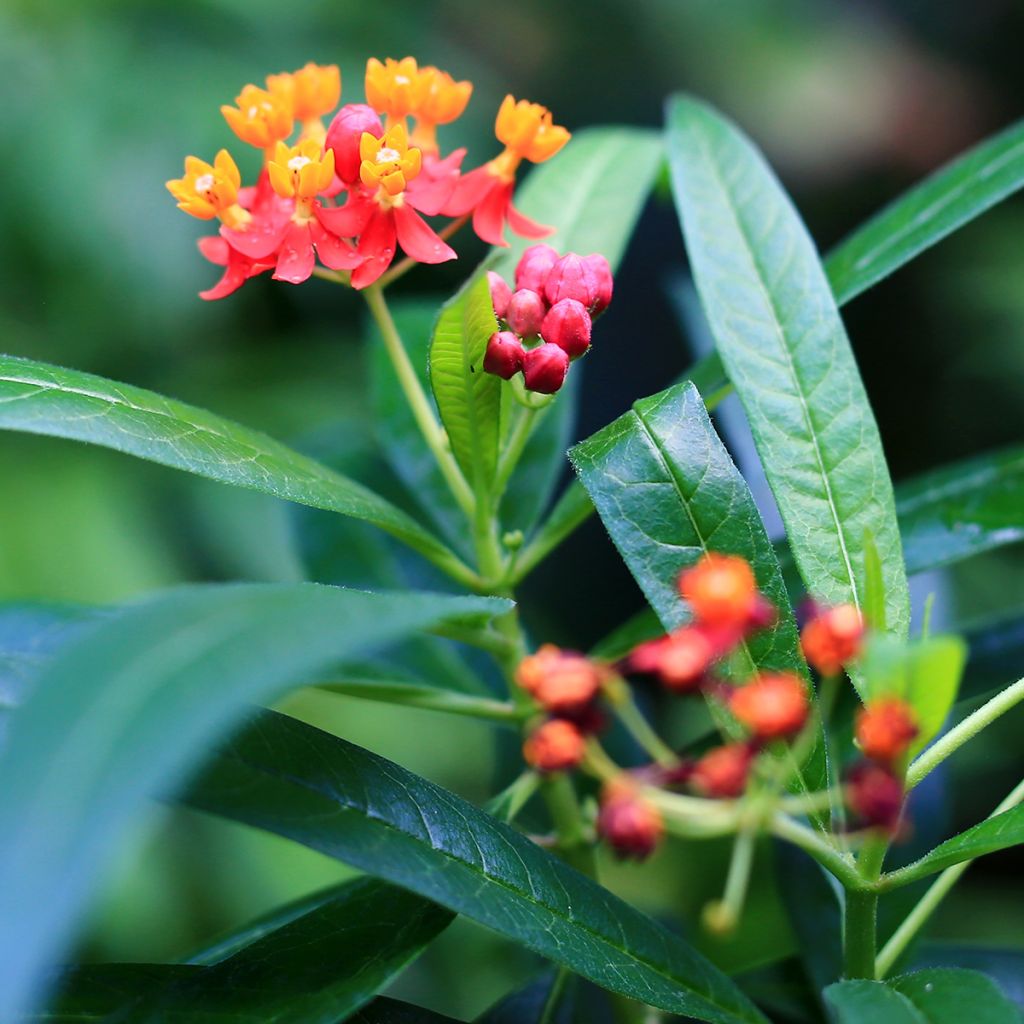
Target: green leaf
(1004, 966)
(317, 968)
(391, 1011)
(989, 836)
(128, 708)
(926, 674)
(777, 328)
(41, 399)
(316, 789)
(962, 510)
(874, 585)
(937, 996)
(468, 399)
(943, 202)
(668, 492)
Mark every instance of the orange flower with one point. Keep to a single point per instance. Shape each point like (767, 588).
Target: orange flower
(260, 118)
(528, 131)
(680, 660)
(439, 100)
(885, 728)
(559, 680)
(832, 638)
(312, 91)
(389, 162)
(393, 88)
(772, 706)
(301, 172)
(721, 590)
(207, 191)
(722, 772)
(555, 746)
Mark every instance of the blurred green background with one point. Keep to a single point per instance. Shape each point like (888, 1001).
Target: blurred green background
(852, 102)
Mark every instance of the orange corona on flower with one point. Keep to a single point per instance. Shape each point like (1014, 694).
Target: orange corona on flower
(439, 100)
(260, 118)
(720, 589)
(210, 190)
(528, 133)
(885, 728)
(312, 91)
(393, 88)
(301, 172)
(388, 163)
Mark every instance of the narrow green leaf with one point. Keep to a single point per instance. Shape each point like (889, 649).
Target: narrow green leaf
(317, 968)
(468, 399)
(962, 510)
(778, 331)
(946, 200)
(316, 789)
(936, 996)
(129, 707)
(41, 399)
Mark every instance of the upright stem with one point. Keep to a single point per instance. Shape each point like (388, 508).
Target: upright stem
(860, 924)
(431, 430)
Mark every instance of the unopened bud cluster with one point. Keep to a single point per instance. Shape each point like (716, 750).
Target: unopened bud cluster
(548, 316)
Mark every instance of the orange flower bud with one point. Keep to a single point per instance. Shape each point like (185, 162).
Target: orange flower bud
(721, 590)
(392, 88)
(559, 680)
(832, 638)
(260, 118)
(312, 91)
(680, 660)
(555, 746)
(885, 728)
(773, 706)
(440, 99)
(722, 773)
(527, 130)
(629, 823)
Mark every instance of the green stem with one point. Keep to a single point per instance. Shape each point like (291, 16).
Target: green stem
(572, 510)
(812, 843)
(964, 732)
(634, 722)
(526, 421)
(420, 405)
(860, 922)
(727, 913)
(427, 698)
(564, 807)
(507, 804)
(547, 1015)
(937, 892)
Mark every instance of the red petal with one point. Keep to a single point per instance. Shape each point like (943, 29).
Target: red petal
(432, 190)
(418, 239)
(522, 225)
(233, 278)
(296, 260)
(215, 249)
(377, 247)
(352, 218)
(257, 241)
(470, 191)
(489, 216)
(333, 252)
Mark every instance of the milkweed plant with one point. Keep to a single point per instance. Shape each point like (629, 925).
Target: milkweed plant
(774, 698)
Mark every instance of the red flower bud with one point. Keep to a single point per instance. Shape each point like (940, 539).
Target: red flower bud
(885, 727)
(344, 134)
(721, 590)
(680, 659)
(544, 369)
(567, 325)
(534, 266)
(525, 313)
(772, 706)
(874, 795)
(504, 355)
(630, 824)
(500, 293)
(559, 680)
(555, 746)
(603, 273)
(722, 773)
(572, 278)
(832, 638)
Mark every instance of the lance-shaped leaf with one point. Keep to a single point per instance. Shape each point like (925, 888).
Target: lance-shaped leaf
(468, 399)
(130, 707)
(41, 399)
(317, 968)
(296, 781)
(391, 1011)
(777, 328)
(935, 996)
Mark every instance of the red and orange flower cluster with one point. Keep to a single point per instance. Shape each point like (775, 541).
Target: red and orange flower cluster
(390, 175)
(549, 316)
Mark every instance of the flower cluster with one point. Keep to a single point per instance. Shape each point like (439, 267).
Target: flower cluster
(548, 317)
(390, 173)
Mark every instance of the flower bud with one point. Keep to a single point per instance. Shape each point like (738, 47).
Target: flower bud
(500, 293)
(525, 313)
(572, 278)
(555, 746)
(534, 266)
(722, 773)
(559, 680)
(504, 355)
(885, 727)
(721, 590)
(875, 795)
(544, 369)
(832, 638)
(629, 823)
(344, 135)
(773, 706)
(680, 660)
(567, 325)
(603, 273)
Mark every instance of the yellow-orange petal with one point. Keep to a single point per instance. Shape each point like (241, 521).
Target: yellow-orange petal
(281, 179)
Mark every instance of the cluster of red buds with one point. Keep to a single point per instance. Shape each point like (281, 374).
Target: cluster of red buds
(548, 318)
(391, 174)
